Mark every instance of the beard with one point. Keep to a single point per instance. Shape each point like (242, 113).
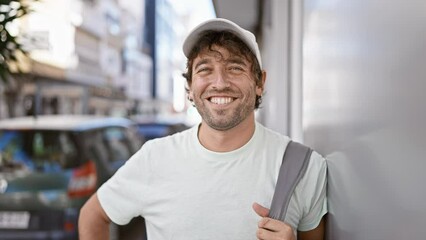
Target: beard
(225, 119)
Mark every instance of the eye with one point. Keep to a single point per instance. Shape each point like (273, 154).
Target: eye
(203, 70)
(236, 68)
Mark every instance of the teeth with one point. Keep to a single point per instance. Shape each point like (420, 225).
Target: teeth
(221, 100)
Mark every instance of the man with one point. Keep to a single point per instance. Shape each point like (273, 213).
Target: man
(215, 180)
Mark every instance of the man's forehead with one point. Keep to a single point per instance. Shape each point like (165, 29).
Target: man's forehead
(219, 53)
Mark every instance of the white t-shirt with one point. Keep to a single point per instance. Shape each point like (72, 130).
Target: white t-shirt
(185, 191)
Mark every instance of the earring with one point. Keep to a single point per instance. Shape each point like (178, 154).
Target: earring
(191, 100)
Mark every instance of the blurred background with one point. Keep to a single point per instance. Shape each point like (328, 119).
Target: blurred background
(116, 58)
(345, 77)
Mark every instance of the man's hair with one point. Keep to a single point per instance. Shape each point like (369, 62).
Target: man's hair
(231, 43)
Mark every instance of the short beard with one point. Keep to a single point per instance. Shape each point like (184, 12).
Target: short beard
(222, 125)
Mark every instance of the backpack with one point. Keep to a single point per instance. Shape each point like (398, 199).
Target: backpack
(293, 168)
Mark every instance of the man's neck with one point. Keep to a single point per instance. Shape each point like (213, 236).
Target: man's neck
(228, 140)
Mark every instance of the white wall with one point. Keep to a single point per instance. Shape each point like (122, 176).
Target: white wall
(274, 49)
(281, 47)
(364, 73)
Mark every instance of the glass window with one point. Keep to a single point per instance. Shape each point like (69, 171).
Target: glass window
(117, 144)
(11, 154)
(51, 150)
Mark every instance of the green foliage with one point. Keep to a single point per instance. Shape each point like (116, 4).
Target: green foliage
(10, 10)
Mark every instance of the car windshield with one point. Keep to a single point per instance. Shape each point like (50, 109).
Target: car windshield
(37, 150)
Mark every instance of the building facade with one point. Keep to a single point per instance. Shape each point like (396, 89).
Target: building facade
(85, 57)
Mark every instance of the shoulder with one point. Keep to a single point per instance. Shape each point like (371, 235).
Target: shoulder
(158, 152)
(317, 164)
(316, 174)
(177, 139)
(271, 136)
(312, 186)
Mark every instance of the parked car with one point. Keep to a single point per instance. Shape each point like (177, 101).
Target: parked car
(151, 127)
(49, 167)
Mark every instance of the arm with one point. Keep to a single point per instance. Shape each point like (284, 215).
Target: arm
(93, 222)
(314, 234)
(317, 203)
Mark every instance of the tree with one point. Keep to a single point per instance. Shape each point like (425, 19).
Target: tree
(10, 48)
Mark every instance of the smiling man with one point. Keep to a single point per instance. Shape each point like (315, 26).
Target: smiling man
(215, 180)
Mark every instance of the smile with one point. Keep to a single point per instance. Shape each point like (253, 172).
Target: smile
(221, 100)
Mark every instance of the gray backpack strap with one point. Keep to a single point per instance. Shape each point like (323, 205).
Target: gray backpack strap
(294, 165)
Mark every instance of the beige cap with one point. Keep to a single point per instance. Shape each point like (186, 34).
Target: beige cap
(220, 24)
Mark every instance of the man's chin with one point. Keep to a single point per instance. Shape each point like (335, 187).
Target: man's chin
(221, 125)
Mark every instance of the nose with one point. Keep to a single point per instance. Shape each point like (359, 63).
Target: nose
(221, 80)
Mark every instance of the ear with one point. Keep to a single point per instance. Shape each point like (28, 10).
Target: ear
(188, 91)
(190, 95)
(259, 89)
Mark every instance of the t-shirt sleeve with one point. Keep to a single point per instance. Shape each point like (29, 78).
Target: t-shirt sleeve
(119, 196)
(313, 190)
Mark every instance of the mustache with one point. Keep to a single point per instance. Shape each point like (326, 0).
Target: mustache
(226, 91)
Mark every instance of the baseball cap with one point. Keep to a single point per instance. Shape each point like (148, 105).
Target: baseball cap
(221, 24)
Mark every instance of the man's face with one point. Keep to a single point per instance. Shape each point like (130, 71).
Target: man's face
(223, 88)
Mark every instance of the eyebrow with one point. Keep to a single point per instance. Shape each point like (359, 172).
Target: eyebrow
(239, 61)
(201, 62)
(235, 60)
